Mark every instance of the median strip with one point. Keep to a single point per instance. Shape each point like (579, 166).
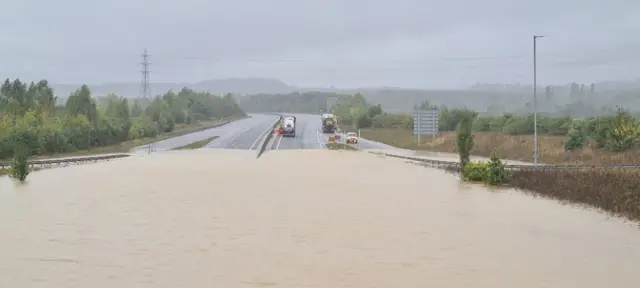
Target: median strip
(268, 137)
(341, 146)
(197, 144)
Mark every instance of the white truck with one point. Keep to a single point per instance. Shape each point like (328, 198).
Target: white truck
(289, 126)
(329, 123)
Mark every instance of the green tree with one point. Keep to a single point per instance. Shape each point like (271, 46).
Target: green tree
(623, 132)
(136, 110)
(21, 142)
(20, 166)
(495, 173)
(575, 138)
(464, 141)
(81, 103)
(374, 111)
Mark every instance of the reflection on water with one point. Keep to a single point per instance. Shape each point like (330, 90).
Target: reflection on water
(323, 219)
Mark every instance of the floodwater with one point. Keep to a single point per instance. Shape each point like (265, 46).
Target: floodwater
(296, 218)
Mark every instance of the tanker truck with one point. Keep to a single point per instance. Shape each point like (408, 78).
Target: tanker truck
(289, 126)
(329, 123)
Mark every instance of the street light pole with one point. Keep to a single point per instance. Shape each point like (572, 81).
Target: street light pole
(535, 100)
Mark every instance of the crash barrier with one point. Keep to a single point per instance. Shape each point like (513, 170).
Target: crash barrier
(66, 161)
(268, 137)
(451, 165)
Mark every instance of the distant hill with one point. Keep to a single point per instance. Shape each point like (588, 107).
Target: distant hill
(493, 98)
(240, 86)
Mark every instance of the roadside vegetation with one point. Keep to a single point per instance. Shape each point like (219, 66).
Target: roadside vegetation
(611, 139)
(34, 123)
(340, 146)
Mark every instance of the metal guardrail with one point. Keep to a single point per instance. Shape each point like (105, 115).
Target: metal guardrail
(456, 165)
(267, 138)
(66, 161)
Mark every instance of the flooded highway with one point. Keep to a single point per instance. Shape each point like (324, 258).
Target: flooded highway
(296, 218)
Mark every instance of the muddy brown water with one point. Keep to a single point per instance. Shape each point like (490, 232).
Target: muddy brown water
(221, 218)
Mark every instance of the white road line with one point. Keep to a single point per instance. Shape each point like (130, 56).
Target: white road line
(260, 137)
(278, 146)
(319, 141)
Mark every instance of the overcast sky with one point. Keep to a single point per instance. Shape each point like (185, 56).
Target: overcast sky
(345, 43)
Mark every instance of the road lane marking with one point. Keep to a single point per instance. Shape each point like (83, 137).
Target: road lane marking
(260, 137)
(318, 136)
(278, 145)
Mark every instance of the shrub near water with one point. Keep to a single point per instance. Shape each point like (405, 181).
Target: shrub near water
(496, 173)
(475, 171)
(19, 166)
(491, 173)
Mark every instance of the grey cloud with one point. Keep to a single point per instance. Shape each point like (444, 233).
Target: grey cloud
(415, 43)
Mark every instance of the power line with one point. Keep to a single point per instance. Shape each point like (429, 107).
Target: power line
(145, 89)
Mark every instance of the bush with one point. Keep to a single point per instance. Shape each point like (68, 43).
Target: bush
(575, 137)
(20, 167)
(386, 120)
(519, 126)
(495, 172)
(464, 141)
(475, 171)
(623, 132)
(491, 173)
(449, 119)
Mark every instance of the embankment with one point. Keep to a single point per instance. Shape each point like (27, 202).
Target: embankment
(614, 191)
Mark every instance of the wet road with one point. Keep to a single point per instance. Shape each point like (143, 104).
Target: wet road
(241, 134)
(310, 136)
(247, 134)
(222, 218)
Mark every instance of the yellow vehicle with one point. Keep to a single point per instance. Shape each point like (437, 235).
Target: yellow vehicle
(352, 138)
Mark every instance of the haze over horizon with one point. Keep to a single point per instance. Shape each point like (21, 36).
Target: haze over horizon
(346, 44)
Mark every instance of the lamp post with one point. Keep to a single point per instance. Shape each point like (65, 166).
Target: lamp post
(535, 100)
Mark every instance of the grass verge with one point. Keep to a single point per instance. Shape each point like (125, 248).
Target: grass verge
(126, 146)
(510, 147)
(196, 145)
(340, 146)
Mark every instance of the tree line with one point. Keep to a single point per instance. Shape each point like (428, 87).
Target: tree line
(617, 131)
(577, 101)
(32, 123)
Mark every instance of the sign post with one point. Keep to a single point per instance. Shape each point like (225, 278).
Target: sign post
(418, 116)
(425, 122)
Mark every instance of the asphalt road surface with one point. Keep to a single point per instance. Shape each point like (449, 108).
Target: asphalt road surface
(247, 134)
(241, 134)
(309, 136)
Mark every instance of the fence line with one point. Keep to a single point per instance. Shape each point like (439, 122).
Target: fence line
(268, 137)
(66, 161)
(456, 165)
